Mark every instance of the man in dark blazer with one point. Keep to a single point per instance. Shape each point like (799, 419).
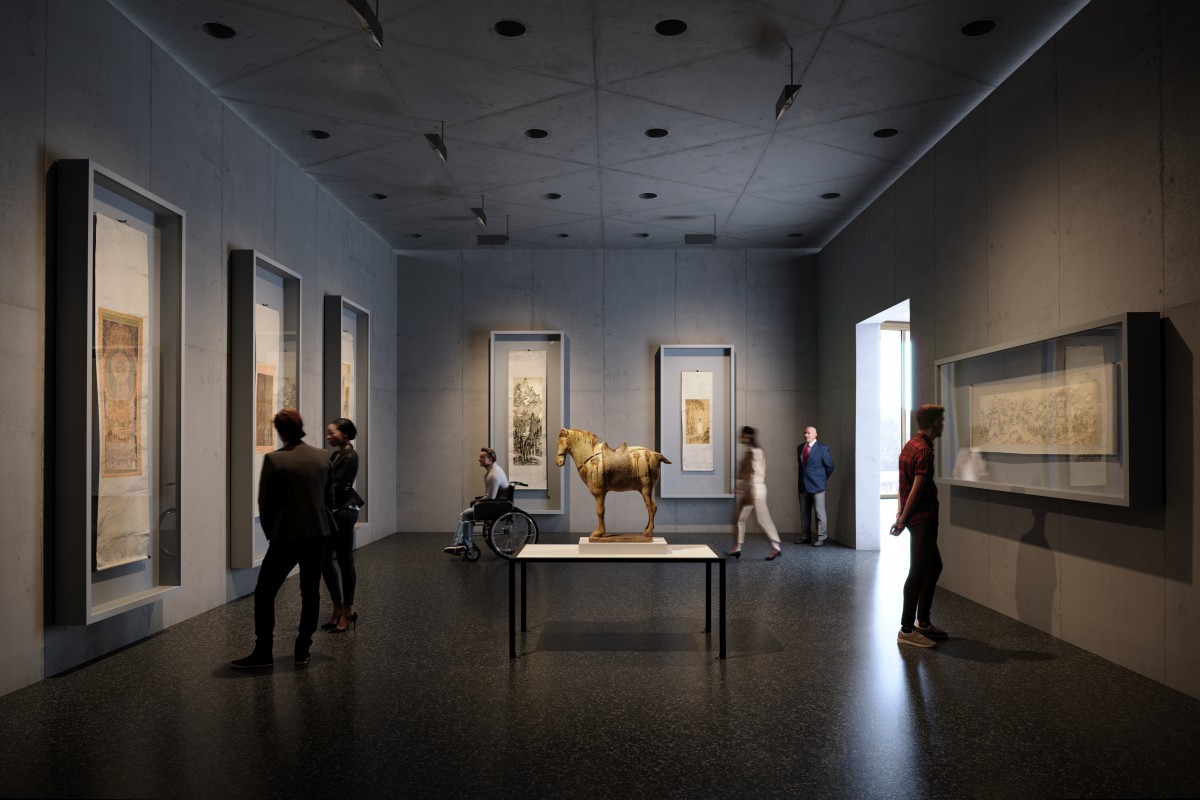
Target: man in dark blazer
(295, 501)
(815, 466)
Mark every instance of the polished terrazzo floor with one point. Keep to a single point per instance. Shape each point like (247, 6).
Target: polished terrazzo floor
(617, 693)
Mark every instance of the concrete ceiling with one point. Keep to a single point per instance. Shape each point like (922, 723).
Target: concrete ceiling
(596, 75)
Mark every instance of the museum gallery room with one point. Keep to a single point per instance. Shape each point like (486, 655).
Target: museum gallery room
(608, 325)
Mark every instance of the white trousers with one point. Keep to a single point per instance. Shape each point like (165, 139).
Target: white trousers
(753, 496)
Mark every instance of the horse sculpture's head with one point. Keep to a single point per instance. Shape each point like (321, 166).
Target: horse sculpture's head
(564, 444)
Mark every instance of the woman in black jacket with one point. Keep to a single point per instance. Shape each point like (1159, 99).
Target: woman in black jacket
(346, 504)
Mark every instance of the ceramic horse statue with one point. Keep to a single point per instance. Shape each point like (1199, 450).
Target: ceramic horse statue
(604, 470)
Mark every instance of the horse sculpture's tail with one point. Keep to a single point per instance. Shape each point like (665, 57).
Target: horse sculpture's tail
(662, 458)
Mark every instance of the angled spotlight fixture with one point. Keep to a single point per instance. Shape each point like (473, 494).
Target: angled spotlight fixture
(480, 217)
(494, 238)
(367, 19)
(702, 238)
(788, 95)
(438, 142)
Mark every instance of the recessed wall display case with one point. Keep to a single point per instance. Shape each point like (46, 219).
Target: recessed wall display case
(264, 376)
(347, 370)
(114, 503)
(526, 408)
(1075, 415)
(696, 391)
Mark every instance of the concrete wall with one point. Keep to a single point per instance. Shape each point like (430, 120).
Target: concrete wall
(82, 82)
(616, 308)
(1069, 195)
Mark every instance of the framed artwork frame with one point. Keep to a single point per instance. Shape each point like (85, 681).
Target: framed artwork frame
(347, 379)
(114, 502)
(1075, 414)
(527, 405)
(697, 390)
(264, 376)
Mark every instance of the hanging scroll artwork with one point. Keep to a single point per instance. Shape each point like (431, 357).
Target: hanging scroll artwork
(696, 413)
(123, 384)
(347, 392)
(527, 417)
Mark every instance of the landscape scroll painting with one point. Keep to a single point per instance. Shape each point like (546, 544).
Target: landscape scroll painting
(269, 390)
(123, 394)
(527, 417)
(696, 396)
(1069, 412)
(347, 385)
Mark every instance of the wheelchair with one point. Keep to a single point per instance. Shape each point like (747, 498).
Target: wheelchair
(504, 526)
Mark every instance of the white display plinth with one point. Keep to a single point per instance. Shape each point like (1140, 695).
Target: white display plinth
(656, 546)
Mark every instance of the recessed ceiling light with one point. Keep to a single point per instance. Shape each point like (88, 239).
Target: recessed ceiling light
(979, 27)
(655, 133)
(641, 236)
(509, 28)
(670, 27)
(218, 31)
(647, 195)
(551, 196)
(315, 133)
(377, 196)
(794, 235)
(561, 235)
(831, 196)
(412, 236)
(537, 133)
(885, 133)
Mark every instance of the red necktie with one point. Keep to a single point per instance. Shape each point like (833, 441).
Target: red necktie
(807, 447)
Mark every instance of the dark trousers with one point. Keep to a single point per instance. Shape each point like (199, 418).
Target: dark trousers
(924, 567)
(281, 557)
(341, 545)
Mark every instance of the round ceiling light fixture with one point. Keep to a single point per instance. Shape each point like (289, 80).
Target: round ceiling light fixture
(537, 133)
(655, 133)
(670, 27)
(412, 236)
(885, 133)
(979, 27)
(831, 195)
(509, 28)
(562, 235)
(647, 195)
(317, 133)
(218, 30)
(794, 235)
(551, 196)
(377, 196)
(641, 236)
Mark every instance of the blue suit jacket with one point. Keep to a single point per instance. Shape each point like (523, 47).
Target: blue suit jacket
(812, 476)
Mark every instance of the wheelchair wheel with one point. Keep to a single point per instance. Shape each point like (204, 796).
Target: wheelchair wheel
(472, 553)
(510, 531)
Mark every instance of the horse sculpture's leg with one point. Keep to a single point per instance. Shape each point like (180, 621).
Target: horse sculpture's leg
(599, 514)
(651, 508)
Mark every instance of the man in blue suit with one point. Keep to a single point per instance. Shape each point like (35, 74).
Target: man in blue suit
(815, 466)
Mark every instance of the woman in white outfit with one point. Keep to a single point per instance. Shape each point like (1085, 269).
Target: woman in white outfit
(752, 494)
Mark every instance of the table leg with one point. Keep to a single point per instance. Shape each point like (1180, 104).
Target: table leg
(721, 612)
(512, 610)
(708, 597)
(523, 584)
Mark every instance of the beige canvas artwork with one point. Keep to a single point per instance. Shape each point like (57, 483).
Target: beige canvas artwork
(696, 393)
(264, 408)
(527, 417)
(119, 384)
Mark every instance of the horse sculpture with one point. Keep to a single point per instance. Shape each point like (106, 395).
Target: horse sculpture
(604, 470)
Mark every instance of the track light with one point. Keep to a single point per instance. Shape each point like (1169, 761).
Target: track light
(438, 142)
(788, 95)
(367, 19)
(480, 217)
(494, 238)
(702, 238)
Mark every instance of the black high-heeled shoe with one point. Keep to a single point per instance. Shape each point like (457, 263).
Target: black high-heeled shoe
(735, 554)
(351, 622)
(328, 626)
(774, 555)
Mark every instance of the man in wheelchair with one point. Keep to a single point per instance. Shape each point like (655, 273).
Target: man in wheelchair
(494, 480)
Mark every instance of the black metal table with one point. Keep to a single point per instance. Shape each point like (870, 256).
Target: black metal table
(569, 553)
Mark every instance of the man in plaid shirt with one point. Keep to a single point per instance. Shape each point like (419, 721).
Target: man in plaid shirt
(919, 513)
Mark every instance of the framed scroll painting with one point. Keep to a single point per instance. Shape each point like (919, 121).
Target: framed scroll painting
(264, 376)
(117, 396)
(1074, 415)
(696, 391)
(527, 406)
(347, 379)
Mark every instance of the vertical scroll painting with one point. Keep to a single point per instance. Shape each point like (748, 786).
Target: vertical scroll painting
(264, 408)
(269, 390)
(347, 385)
(123, 394)
(696, 396)
(527, 417)
(1068, 412)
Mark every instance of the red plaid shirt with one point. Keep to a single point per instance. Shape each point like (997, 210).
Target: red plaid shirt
(917, 459)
